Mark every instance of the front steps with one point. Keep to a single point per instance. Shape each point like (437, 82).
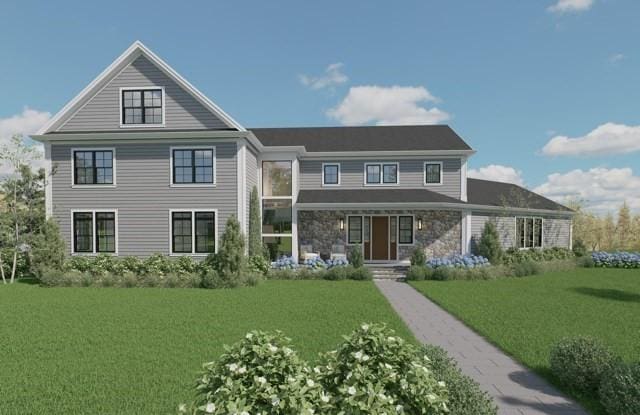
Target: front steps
(387, 272)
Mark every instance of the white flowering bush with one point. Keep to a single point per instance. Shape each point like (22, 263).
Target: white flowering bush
(375, 371)
(259, 375)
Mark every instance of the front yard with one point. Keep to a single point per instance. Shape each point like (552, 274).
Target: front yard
(525, 316)
(134, 351)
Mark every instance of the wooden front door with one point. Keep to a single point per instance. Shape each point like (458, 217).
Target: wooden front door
(380, 238)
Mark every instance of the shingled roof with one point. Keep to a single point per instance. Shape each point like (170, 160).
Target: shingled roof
(490, 193)
(370, 138)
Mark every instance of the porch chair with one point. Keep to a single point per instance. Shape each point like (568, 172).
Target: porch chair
(338, 252)
(306, 252)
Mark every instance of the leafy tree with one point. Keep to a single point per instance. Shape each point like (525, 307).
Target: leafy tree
(230, 258)
(489, 245)
(623, 227)
(255, 231)
(608, 233)
(47, 249)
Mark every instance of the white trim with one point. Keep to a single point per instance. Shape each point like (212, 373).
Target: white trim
(395, 154)
(142, 88)
(241, 160)
(192, 147)
(134, 51)
(463, 179)
(48, 184)
(570, 235)
(93, 231)
(424, 173)
(93, 186)
(466, 232)
(381, 164)
(193, 212)
(322, 174)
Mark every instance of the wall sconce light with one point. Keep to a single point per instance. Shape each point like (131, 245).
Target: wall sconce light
(419, 224)
(341, 224)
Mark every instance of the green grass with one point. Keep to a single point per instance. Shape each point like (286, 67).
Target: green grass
(138, 351)
(525, 316)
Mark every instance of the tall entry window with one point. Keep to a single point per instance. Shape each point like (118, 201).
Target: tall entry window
(277, 207)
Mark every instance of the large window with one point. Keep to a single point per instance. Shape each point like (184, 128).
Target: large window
(381, 173)
(433, 173)
(142, 106)
(355, 230)
(193, 166)
(277, 207)
(93, 167)
(405, 230)
(193, 232)
(330, 174)
(94, 232)
(529, 233)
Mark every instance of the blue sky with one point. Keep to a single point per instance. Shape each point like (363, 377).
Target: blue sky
(507, 76)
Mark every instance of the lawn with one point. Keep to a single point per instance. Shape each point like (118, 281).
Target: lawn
(135, 351)
(525, 316)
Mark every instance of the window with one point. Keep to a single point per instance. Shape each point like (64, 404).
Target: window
(330, 174)
(405, 231)
(529, 233)
(433, 173)
(193, 232)
(94, 232)
(278, 246)
(93, 167)
(381, 173)
(193, 166)
(355, 230)
(277, 207)
(277, 216)
(276, 178)
(142, 106)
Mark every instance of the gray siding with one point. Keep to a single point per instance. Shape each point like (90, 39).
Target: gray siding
(143, 195)
(182, 111)
(411, 174)
(252, 176)
(557, 232)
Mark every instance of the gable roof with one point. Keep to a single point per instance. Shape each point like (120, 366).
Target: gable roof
(498, 194)
(134, 51)
(368, 138)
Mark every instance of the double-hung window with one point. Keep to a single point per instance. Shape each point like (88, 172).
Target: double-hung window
(330, 174)
(94, 232)
(381, 173)
(405, 230)
(529, 233)
(142, 107)
(432, 173)
(193, 232)
(355, 230)
(193, 166)
(93, 167)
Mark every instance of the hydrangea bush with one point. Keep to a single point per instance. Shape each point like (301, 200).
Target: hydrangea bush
(616, 259)
(458, 261)
(284, 262)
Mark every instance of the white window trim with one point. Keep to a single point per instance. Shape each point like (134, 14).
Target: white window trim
(330, 184)
(424, 173)
(515, 225)
(382, 164)
(92, 186)
(193, 147)
(142, 88)
(413, 230)
(348, 243)
(292, 158)
(193, 231)
(93, 225)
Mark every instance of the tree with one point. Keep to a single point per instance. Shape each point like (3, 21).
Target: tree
(489, 245)
(635, 244)
(255, 231)
(230, 258)
(623, 227)
(16, 155)
(608, 233)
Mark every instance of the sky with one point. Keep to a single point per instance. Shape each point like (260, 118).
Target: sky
(546, 91)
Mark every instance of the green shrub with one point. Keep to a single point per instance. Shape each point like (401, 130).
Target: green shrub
(283, 274)
(489, 245)
(258, 263)
(78, 263)
(581, 362)
(211, 279)
(417, 273)
(585, 262)
(158, 264)
(526, 268)
(557, 265)
(355, 256)
(418, 257)
(230, 257)
(374, 371)
(260, 374)
(620, 389)
(47, 249)
(579, 249)
(465, 395)
(255, 226)
(358, 274)
(336, 273)
(514, 255)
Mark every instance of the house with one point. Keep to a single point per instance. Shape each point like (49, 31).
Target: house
(146, 163)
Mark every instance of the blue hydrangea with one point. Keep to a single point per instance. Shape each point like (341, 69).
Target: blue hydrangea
(458, 261)
(616, 259)
(284, 262)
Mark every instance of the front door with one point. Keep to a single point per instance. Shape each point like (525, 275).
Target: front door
(380, 238)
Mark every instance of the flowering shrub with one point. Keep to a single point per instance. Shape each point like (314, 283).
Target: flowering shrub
(514, 255)
(616, 259)
(374, 371)
(259, 375)
(315, 263)
(337, 262)
(458, 261)
(284, 262)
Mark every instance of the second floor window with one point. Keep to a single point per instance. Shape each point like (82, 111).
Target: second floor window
(193, 166)
(381, 173)
(330, 174)
(93, 167)
(433, 173)
(142, 106)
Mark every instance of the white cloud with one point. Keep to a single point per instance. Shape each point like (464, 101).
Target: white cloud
(570, 6)
(332, 77)
(616, 58)
(497, 173)
(607, 138)
(26, 123)
(393, 105)
(602, 189)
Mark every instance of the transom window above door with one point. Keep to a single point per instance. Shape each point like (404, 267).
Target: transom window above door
(193, 166)
(381, 173)
(142, 107)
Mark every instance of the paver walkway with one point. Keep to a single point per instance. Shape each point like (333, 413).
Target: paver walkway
(515, 389)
